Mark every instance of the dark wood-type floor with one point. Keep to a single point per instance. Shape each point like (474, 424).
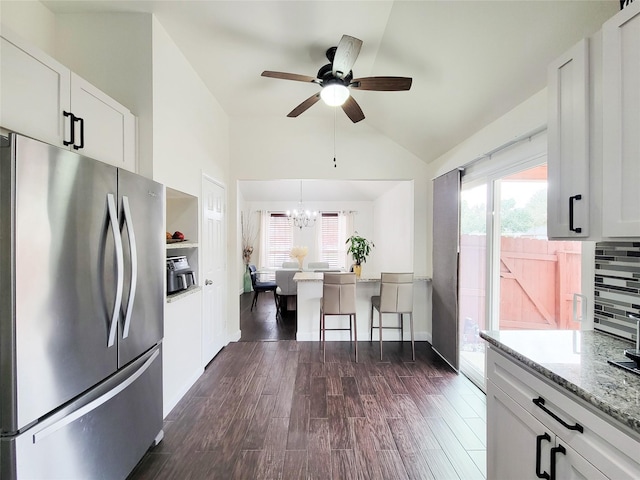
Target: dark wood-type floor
(262, 323)
(273, 410)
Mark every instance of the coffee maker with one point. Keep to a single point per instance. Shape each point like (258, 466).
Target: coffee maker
(179, 274)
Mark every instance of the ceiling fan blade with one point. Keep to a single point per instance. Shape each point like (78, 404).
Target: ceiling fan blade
(290, 76)
(304, 105)
(346, 54)
(382, 84)
(353, 110)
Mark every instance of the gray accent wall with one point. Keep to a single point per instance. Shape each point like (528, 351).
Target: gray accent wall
(617, 288)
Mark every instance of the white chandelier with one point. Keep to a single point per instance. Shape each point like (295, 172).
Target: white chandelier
(300, 217)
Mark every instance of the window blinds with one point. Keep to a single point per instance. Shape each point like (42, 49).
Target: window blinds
(279, 240)
(329, 239)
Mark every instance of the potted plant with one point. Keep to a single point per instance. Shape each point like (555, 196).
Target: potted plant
(359, 248)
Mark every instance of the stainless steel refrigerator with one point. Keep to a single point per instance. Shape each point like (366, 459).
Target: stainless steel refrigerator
(81, 314)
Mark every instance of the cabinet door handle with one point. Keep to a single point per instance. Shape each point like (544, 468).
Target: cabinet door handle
(81, 120)
(72, 120)
(571, 200)
(554, 451)
(540, 403)
(539, 440)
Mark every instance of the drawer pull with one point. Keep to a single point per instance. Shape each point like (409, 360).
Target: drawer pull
(540, 403)
(571, 200)
(554, 451)
(539, 440)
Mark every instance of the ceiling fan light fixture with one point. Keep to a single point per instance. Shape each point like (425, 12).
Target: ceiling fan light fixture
(334, 94)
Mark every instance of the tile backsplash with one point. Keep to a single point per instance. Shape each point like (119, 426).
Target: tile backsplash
(617, 288)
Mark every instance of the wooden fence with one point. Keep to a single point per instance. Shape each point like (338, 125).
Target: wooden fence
(537, 281)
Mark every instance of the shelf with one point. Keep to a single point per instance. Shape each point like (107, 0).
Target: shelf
(175, 246)
(172, 297)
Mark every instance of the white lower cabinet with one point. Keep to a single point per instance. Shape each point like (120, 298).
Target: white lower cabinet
(570, 465)
(536, 430)
(521, 447)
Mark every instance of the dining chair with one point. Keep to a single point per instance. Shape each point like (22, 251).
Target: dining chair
(286, 287)
(259, 287)
(339, 298)
(318, 266)
(396, 296)
(291, 265)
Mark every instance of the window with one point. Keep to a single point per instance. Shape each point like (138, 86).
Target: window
(279, 240)
(329, 240)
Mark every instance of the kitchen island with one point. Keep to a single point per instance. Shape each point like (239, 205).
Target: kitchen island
(563, 407)
(308, 309)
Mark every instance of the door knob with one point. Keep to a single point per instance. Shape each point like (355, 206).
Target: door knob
(208, 282)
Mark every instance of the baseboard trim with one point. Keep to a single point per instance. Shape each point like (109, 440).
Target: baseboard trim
(235, 337)
(170, 404)
(315, 336)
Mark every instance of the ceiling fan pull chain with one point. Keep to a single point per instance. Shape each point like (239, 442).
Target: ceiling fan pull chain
(334, 139)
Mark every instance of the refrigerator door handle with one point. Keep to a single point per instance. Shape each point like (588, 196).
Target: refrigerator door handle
(134, 265)
(101, 400)
(117, 240)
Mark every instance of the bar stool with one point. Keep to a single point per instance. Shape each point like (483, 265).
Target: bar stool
(396, 296)
(339, 298)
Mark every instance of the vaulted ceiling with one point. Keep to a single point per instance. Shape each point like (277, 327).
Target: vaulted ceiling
(471, 61)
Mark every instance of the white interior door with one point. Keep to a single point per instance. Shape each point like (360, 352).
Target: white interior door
(213, 248)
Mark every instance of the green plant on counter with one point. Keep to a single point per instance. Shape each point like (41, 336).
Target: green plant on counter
(359, 248)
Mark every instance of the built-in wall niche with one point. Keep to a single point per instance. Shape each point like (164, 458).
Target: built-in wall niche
(182, 216)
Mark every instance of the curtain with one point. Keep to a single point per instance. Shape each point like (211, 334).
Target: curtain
(264, 231)
(318, 246)
(446, 235)
(345, 230)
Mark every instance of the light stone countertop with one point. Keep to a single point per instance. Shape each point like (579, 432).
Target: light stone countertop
(318, 276)
(577, 361)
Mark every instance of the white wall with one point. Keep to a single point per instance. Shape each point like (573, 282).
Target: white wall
(32, 21)
(524, 118)
(190, 129)
(393, 230)
(190, 138)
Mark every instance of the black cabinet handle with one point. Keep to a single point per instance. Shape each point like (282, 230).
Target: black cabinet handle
(81, 120)
(540, 403)
(72, 140)
(571, 200)
(539, 440)
(554, 451)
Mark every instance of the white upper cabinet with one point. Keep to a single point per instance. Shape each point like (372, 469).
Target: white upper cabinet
(621, 123)
(103, 129)
(594, 134)
(43, 99)
(34, 91)
(569, 198)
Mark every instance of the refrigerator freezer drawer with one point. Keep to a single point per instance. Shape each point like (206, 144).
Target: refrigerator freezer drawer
(102, 435)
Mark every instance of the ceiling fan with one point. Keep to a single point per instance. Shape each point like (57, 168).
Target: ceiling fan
(336, 78)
